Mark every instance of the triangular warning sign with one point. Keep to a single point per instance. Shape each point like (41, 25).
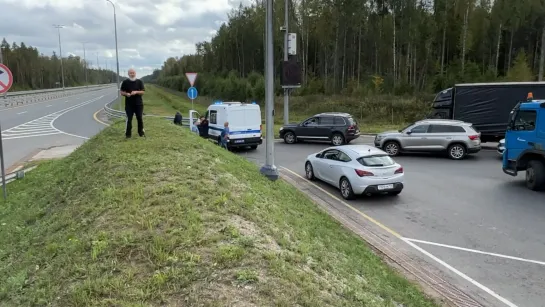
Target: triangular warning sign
(191, 77)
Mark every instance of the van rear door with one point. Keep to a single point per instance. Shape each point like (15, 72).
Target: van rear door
(244, 123)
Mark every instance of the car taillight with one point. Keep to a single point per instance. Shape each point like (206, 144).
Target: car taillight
(363, 173)
(399, 171)
(474, 137)
(352, 127)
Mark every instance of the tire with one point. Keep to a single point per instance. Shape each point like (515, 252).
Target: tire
(289, 138)
(309, 171)
(456, 151)
(392, 148)
(253, 147)
(337, 139)
(535, 175)
(346, 189)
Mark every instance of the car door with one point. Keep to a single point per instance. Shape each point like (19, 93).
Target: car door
(325, 127)
(416, 137)
(440, 136)
(525, 126)
(338, 167)
(307, 129)
(324, 164)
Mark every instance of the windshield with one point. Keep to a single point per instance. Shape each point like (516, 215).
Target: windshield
(402, 129)
(376, 161)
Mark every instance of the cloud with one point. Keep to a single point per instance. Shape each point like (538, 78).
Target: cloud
(148, 31)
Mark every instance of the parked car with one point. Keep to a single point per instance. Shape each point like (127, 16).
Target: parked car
(356, 170)
(456, 138)
(337, 128)
(501, 147)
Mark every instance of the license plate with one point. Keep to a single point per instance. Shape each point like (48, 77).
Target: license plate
(385, 187)
(239, 141)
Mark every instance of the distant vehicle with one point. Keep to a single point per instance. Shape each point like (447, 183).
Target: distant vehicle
(485, 105)
(456, 138)
(356, 170)
(337, 128)
(244, 123)
(501, 147)
(525, 143)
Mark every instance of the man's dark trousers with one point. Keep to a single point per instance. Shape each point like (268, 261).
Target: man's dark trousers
(138, 111)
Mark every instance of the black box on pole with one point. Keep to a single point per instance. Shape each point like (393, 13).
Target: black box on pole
(291, 73)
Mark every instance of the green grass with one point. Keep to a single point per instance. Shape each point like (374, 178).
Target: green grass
(173, 220)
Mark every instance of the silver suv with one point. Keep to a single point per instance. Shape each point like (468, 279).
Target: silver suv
(456, 138)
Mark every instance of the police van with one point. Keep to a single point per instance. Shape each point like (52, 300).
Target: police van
(244, 123)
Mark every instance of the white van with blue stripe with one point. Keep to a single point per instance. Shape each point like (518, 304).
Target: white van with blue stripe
(244, 123)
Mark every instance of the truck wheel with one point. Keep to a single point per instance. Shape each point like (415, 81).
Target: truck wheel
(535, 175)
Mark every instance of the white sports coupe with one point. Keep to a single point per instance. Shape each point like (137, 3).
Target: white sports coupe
(356, 170)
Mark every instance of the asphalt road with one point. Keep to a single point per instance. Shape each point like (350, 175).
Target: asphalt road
(58, 122)
(466, 213)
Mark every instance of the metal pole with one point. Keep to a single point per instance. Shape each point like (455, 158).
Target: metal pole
(116, 52)
(2, 62)
(2, 147)
(60, 51)
(85, 65)
(286, 91)
(269, 169)
(98, 69)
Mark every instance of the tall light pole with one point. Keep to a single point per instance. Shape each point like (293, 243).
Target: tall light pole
(60, 52)
(85, 65)
(116, 53)
(286, 90)
(269, 169)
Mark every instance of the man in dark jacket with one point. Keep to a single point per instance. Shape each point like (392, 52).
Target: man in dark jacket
(133, 89)
(203, 127)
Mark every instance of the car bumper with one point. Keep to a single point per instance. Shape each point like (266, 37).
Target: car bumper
(245, 142)
(473, 150)
(351, 137)
(371, 185)
(500, 150)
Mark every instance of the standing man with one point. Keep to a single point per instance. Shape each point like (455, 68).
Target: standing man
(133, 89)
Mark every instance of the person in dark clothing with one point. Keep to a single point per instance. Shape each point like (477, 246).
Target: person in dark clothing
(133, 89)
(203, 127)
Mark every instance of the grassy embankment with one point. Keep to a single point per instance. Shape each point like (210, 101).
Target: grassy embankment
(173, 220)
(160, 101)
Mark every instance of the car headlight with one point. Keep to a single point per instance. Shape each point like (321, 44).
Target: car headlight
(378, 137)
(281, 128)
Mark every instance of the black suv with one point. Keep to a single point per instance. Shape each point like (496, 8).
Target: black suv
(337, 128)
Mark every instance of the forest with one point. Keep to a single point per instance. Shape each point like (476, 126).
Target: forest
(363, 47)
(33, 70)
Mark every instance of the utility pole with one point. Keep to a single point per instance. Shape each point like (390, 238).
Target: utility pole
(60, 52)
(85, 65)
(2, 146)
(286, 90)
(116, 53)
(98, 69)
(269, 169)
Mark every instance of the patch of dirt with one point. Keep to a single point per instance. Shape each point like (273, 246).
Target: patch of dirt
(250, 229)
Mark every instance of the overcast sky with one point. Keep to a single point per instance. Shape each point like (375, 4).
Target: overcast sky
(149, 31)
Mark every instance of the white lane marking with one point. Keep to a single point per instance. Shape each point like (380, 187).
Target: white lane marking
(50, 105)
(477, 251)
(43, 125)
(464, 276)
(22, 112)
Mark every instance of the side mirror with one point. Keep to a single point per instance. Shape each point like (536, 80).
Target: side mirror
(409, 132)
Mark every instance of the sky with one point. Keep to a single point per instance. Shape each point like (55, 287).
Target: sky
(149, 31)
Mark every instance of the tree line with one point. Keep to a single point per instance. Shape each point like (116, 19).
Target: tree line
(361, 47)
(32, 70)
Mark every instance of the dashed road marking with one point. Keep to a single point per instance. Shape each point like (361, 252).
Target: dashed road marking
(43, 126)
(22, 112)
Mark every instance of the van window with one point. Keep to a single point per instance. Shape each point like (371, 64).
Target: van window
(213, 117)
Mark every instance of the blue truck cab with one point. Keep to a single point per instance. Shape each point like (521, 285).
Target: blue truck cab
(525, 142)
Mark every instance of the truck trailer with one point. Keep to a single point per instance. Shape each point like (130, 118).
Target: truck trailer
(485, 105)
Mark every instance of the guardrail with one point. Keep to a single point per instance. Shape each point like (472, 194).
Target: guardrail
(51, 90)
(22, 98)
(113, 113)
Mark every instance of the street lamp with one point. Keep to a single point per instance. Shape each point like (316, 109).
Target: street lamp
(85, 65)
(116, 53)
(60, 51)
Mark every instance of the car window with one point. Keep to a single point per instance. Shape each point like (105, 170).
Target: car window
(376, 160)
(327, 121)
(213, 117)
(330, 154)
(343, 157)
(525, 120)
(339, 121)
(446, 129)
(420, 129)
(311, 122)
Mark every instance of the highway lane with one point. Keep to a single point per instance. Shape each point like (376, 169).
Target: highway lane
(463, 212)
(59, 122)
